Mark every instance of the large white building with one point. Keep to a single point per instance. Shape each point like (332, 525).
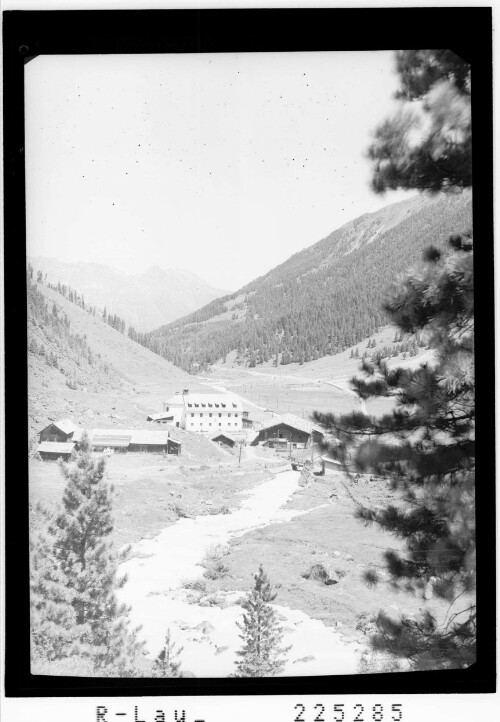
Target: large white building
(206, 413)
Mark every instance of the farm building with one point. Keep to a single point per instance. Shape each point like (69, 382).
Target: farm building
(224, 439)
(116, 439)
(205, 413)
(119, 440)
(150, 441)
(61, 431)
(291, 432)
(53, 450)
(162, 418)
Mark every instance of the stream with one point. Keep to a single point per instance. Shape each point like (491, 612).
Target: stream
(209, 634)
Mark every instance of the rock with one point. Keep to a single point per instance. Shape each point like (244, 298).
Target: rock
(187, 674)
(205, 627)
(220, 650)
(336, 554)
(320, 573)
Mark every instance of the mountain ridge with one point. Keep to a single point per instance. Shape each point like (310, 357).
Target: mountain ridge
(144, 300)
(322, 299)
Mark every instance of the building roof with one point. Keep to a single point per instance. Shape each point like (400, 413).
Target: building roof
(57, 447)
(224, 434)
(296, 422)
(149, 437)
(299, 423)
(65, 425)
(208, 400)
(110, 437)
(160, 416)
(111, 441)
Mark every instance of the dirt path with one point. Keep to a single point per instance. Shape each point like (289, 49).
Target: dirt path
(209, 634)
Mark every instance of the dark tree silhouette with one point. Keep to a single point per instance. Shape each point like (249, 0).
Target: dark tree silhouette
(426, 445)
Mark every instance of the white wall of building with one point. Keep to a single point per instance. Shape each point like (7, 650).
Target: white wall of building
(206, 413)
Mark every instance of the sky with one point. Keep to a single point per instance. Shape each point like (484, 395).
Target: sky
(221, 164)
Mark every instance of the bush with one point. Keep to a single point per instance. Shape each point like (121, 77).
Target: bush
(216, 571)
(198, 585)
(214, 553)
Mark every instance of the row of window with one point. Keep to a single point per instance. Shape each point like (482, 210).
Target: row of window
(210, 415)
(210, 424)
(223, 406)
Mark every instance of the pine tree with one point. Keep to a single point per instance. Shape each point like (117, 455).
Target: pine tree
(87, 568)
(433, 465)
(442, 158)
(53, 617)
(166, 664)
(261, 654)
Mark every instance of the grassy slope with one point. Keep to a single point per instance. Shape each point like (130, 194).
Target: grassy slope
(137, 383)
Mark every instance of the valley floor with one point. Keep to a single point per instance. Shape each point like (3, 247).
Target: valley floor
(183, 514)
(181, 519)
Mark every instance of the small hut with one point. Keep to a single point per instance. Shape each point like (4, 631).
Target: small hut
(224, 439)
(54, 450)
(61, 431)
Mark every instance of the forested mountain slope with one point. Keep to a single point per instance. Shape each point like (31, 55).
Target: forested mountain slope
(320, 301)
(79, 366)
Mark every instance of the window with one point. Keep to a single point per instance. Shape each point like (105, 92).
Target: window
(223, 406)
(190, 406)
(236, 416)
(220, 414)
(210, 415)
(210, 424)
(201, 414)
(220, 423)
(192, 423)
(192, 414)
(229, 414)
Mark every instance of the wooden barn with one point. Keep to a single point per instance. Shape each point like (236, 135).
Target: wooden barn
(60, 431)
(291, 432)
(54, 450)
(153, 442)
(116, 439)
(224, 439)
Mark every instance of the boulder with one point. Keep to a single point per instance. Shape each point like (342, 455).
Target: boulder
(320, 573)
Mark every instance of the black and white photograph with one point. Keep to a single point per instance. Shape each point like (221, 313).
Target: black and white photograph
(251, 364)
